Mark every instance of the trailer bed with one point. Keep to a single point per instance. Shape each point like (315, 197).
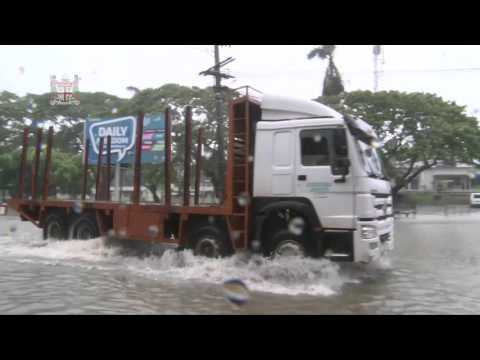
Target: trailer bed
(167, 223)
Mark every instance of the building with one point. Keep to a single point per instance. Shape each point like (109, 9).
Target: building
(445, 178)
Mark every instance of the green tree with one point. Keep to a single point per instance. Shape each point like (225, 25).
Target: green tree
(178, 97)
(68, 121)
(65, 177)
(417, 130)
(13, 112)
(8, 173)
(332, 83)
(30, 110)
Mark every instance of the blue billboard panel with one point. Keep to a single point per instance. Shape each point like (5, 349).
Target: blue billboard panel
(123, 133)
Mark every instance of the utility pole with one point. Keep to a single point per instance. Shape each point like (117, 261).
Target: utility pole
(219, 116)
(219, 134)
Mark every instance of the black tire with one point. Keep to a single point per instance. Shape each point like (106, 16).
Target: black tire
(210, 242)
(84, 228)
(55, 227)
(283, 241)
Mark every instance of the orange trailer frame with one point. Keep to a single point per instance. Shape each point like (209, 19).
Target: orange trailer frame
(134, 220)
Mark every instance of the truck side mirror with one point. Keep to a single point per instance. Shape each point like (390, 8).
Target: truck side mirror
(341, 167)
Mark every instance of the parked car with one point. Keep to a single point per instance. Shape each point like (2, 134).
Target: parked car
(475, 200)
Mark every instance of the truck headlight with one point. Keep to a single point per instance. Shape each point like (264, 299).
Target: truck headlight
(368, 232)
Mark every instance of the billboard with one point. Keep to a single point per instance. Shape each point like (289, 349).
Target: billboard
(123, 133)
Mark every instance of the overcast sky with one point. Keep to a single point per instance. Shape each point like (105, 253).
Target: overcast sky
(451, 71)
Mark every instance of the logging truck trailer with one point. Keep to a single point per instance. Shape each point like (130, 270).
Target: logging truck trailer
(301, 180)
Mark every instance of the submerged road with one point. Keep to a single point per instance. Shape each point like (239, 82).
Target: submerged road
(435, 269)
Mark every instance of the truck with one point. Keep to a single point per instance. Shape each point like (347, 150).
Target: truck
(301, 180)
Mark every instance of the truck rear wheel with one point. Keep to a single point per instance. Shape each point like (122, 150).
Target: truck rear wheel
(55, 227)
(210, 242)
(84, 228)
(284, 243)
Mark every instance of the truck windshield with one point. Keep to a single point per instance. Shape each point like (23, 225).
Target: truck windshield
(371, 160)
(369, 155)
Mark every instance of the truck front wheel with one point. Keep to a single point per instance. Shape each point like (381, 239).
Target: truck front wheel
(284, 243)
(210, 242)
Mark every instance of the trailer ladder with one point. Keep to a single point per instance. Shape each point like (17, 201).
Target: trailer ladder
(241, 153)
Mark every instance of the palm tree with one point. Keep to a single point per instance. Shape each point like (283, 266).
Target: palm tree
(135, 90)
(332, 84)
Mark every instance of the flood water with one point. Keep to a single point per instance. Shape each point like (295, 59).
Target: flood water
(435, 269)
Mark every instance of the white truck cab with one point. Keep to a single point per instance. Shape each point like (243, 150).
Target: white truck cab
(312, 156)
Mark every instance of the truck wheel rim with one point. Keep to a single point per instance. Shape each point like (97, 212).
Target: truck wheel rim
(84, 233)
(207, 247)
(54, 230)
(289, 248)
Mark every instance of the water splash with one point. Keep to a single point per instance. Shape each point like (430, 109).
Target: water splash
(287, 276)
(89, 251)
(282, 276)
(256, 246)
(243, 199)
(153, 231)
(383, 263)
(297, 226)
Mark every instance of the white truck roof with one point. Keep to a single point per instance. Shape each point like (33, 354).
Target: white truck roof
(275, 108)
(280, 108)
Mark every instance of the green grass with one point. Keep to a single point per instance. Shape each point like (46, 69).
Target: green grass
(432, 199)
(420, 199)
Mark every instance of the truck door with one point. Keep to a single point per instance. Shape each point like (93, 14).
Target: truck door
(283, 163)
(331, 195)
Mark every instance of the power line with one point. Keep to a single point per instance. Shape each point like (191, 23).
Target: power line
(433, 70)
(202, 50)
(367, 72)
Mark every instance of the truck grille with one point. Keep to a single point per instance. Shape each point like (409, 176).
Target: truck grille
(383, 205)
(385, 237)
